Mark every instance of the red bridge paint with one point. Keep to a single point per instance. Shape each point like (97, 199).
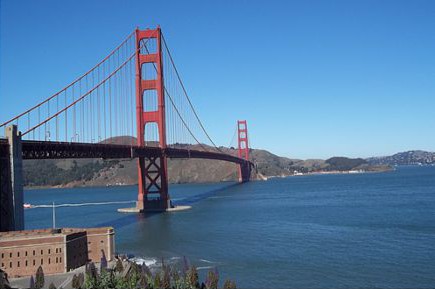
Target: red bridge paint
(152, 171)
(78, 104)
(243, 152)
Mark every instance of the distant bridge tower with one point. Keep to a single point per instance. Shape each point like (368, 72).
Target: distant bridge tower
(152, 171)
(243, 152)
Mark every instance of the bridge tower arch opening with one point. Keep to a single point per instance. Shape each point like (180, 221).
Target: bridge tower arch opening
(153, 192)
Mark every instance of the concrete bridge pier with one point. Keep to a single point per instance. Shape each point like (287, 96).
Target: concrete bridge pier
(11, 183)
(244, 172)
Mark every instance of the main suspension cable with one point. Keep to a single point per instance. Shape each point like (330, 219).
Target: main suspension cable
(69, 85)
(185, 93)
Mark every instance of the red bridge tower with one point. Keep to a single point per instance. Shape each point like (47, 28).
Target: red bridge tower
(242, 133)
(152, 171)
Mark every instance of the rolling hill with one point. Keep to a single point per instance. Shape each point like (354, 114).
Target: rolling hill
(97, 172)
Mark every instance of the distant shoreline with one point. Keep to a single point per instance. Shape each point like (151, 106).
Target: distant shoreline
(335, 172)
(259, 178)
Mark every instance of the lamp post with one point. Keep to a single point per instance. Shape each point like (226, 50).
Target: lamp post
(54, 216)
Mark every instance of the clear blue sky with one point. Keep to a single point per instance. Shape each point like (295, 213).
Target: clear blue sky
(314, 79)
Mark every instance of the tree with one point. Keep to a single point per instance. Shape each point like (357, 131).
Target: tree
(212, 279)
(91, 270)
(4, 283)
(39, 282)
(229, 285)
(103, 262)
(186, 266)
(166, 276)
(92, 278)
(32, 283)
(157, 281)
(52, 286)
(192, 277)
(75, 282)
(119, 267)
(78, 281)
(81, 280)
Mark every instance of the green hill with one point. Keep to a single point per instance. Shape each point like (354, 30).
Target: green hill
(98, 172)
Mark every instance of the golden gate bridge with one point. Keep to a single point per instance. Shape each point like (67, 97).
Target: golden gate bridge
(136, 90)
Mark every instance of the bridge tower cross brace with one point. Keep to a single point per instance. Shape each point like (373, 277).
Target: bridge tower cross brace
(243, 151)
(152, 171)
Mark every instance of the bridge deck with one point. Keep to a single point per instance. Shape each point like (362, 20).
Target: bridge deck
(66, 150)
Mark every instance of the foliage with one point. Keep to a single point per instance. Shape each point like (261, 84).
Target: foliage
(133, 276)
(3, 280)
(92, 280)
(40, 280)
(75, 282)
(136, 276)
(165, 276)
(103, 262)
(212, 280)
(192, 277)
(52, 286)
(107, 280)
(32, 282)
(119, 267)
(78, 281)
(47, 173)
(229, 285)
(81, 280)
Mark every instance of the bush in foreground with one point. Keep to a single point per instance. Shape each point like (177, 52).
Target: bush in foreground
(40, 280)
(137, 276)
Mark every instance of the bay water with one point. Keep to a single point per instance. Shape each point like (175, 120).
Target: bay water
(318, 231)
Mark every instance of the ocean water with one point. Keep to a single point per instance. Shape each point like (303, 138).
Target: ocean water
(325, 231)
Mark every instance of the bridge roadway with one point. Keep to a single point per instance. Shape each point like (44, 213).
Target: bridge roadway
(67, 150)
(11, 191)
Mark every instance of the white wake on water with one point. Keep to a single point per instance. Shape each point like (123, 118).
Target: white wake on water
(83, 204)
(144, 261)
(205, 267)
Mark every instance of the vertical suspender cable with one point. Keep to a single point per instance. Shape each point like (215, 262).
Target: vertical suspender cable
(66, 119)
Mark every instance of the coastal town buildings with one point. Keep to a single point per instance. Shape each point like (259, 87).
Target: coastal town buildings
(56, 250)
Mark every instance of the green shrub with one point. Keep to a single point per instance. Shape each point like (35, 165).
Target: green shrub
(119, 267)
(39, 282)
(229, 284)
(32, 282)
(212, 280)
(192, 278)
(75, 282)
(139, 276)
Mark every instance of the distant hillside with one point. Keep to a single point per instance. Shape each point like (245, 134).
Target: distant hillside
(405, 158)
(344, 164)
(97, 172)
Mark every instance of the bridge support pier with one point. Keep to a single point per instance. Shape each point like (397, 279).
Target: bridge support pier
(11, 183)
(153, 184)
(244, 172)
